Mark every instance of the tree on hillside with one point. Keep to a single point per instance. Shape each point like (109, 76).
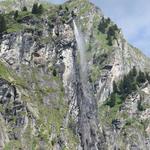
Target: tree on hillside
(54, 72)
(141, 77)
(134, 71)
(115, 88)
(40, 9)
(103, 25)
(67, 9)
(16, 14)
(148, 77)
(125, 86)
(60, 7)
(35, 8)
(140, 106)
(112, 31)
(24, 8)
(112, 100)
(2, 24)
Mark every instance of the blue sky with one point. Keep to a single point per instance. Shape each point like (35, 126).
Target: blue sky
(132, 16)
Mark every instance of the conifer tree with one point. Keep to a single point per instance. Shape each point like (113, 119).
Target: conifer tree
(141, 77)
(103, 25)
(148, 77)
(40, 9)
(16, 14)
(134, 71)
(2, 24)
(24, 8)
(112, 100)
(115, 88)
(35, 8)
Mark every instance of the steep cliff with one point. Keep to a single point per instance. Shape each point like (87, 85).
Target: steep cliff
(58, 71)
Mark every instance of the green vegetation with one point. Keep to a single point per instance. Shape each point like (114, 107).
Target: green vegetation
(114, 100)
(11, 22)
(86, 6)
(141, 77)
(13, 144)
(107, 27)
(4, 72)
(98, 48)
(147, 77)
(37, 9)
(2, 24)
(107, 114)
(14, 28)
(54, 72)
(49, 117)
(22, 15)
(100, 38)
(140, 106)
(24, 8)
(41, 9)
(112, 34)
(16, 14)
(103, 25)
(126, 86)
(15, 21)
(115, 88)
(110, 110)
(95, 73)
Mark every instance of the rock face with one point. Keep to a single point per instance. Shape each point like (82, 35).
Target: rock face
(43, 101)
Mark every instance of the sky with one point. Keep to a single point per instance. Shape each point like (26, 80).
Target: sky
(132, 16)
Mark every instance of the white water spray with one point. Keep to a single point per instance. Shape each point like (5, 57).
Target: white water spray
(87, 103)
(82, 50)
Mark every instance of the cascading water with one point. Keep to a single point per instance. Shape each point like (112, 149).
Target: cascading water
(82, 50)
(87, 119)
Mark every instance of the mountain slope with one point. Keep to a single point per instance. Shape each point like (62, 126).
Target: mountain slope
(48, 102)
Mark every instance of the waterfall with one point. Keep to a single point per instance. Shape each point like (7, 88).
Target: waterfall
(82, 50)
(87, 118)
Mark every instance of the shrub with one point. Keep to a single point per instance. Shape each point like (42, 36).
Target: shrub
(54, 72)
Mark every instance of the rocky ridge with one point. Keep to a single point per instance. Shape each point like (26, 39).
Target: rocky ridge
(43, 105)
